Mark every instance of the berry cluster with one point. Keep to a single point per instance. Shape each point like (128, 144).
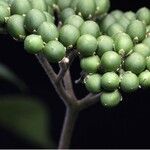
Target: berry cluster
(114, 47)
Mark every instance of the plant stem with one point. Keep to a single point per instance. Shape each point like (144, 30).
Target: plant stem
(68, 126)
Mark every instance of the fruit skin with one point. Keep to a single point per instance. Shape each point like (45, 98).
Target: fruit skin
(68, 35)
(93, 83)
(110, 99)
(87, 45)
(130, 15)
(123, 43)
(49, 17)
(15, 27)
(33, 19)
(20, 7)
(142, 49)
(90, 64)
(146, 41)
(86, 8)
(33, 44)
(144, 79)
(63, 4)
(148, 63)
(4, 12)
(54, 51)
(105, 43)
(110, 81)
(117, 14)
(135, 63)
(136, 30)
(74, 20)
(110, 61)
(3, 3)
(143, 14)
(124, 22)
(90, 27)
(41, 5)
(48, 31)
(129, 82)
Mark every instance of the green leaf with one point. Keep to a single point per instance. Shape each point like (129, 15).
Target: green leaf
(26, 117)
(10, 76)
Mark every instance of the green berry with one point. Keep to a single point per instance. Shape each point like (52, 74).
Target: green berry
(130, 15)
(124, 22)
(4, 13)
(90, 64)
(48, 31)
(33, 44)
(148, 63)
(49, 17)
(63, 4)
(110, 81)
(20, 7)
(142, 49)
(144, 79)
(117, 14)
(40, 5)
(135, 63)
(129, 82)
(15, 27)
(110, 99)
(90, 27)
(143, 14)
(68, 35)
(102, 6)
(4, 3)
(105, 43)
(54, 51)
(110, 61)
(86, 8)
(87, 45)
(146, 41)
(74, 20)
(93, 83)
(123, 43)
(73, 4)
(34, 18)
(136, 30)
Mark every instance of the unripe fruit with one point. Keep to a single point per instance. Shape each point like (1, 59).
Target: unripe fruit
(93, 83)
(15, 27)
(68, 35)
(90, 27)
(124, 22)
(114, 29)
(90, 64)
(117, 14)
(63, 4)
(146, 41)
(102, 6)
(86, 8)
(50, 2)
(33, 44)
(135, 63)
(48, 31)
(142, 49)
(4, 13)
(143, 14)
(3, 3)
(34, 19)
(110, 81)
(148, 63)
(73, 4)
(20, 7)
(110, 61)
(148, 30)
(129, 82)
(130, 15)
(40, 5)
(66, 13)
(54, 51)
(123, 43)
(110, 99)
(87, 45)
(144, 79)
(105, 43)
(74, 20)
(49, 17)
(137, 30)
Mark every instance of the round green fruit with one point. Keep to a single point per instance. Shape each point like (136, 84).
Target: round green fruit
(110, 61)
(124, 22)
(90, 64)
(48, 31)
(110, 99)
(135, 63)
(40, 5)
(93, 83)
(130, 15)
(87, 45)
(129, 82)
(63, 4)
(117, 14)
(49, 17)
(4, 3)
(148, 63)
(54, 51)
(110, 81)
(146, 41)
(33, 44)
(144, 79)
(68, 35)
(4, 13)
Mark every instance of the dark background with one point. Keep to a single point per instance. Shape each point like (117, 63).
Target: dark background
(126, 126)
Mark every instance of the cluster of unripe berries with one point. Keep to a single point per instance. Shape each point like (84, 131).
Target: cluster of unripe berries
(114, 48)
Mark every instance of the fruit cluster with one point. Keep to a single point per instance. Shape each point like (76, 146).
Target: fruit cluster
(114, 47)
